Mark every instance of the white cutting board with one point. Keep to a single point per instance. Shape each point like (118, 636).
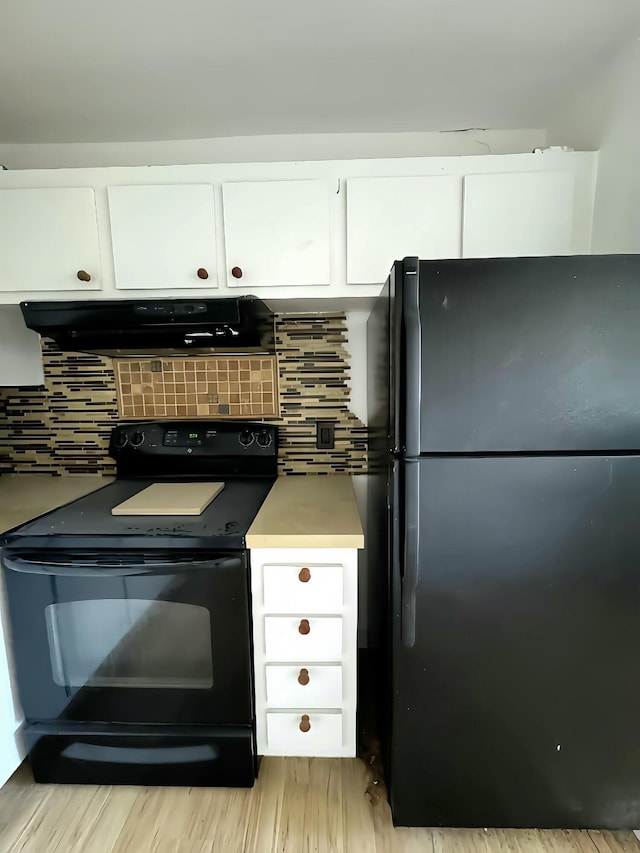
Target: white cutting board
(170, 499)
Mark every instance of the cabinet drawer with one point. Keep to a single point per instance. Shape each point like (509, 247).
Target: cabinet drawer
(322, 690)
(299, 588)
(283, 640)
(285, 737)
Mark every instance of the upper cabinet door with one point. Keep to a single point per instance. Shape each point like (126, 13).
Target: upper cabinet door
(391, 218)
(163, 236)
(277, 233)
(518, 215)
(49, 240)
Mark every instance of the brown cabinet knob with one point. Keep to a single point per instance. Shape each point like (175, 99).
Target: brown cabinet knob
(202, 273)
(303, 677)
(305, 725)
(83, 275)
(304, 626)
(236, 272)
(304, 575)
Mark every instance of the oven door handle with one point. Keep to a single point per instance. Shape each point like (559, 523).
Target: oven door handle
(105, 569)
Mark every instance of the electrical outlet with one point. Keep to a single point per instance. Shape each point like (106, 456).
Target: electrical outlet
(325, 435)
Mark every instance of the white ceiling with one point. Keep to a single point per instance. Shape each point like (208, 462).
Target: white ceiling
(124, 70)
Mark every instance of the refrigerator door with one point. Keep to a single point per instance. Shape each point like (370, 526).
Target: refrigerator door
(516, 643)
(521, 354)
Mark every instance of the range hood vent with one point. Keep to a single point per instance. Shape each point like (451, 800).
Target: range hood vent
(144, 327)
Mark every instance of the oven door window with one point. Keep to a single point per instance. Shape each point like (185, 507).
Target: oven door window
(130, 643)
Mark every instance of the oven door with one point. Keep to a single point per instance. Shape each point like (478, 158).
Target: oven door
(139, 638)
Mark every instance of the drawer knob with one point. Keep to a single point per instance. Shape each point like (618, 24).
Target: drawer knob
(303, 677)
(236, 272)
(304, 626)
(202, 273)
(305, 725)
(304, 575)
(83, 275)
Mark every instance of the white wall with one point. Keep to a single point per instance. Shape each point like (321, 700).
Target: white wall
(265, 149)
(581, 122)
(20, 352)
(606, 115)
(357, 349)
(616, 223)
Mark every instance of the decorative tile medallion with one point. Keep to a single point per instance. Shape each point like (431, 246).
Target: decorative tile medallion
(197, 387)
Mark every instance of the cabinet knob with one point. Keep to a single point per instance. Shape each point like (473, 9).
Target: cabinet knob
(305, 725)
(304, 626)
(304, 575)
(236, 272)
(202, 273)
(303, 677)
(83, 275)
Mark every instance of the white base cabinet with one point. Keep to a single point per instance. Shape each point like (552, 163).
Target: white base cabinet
(305, 615)
(12, 750)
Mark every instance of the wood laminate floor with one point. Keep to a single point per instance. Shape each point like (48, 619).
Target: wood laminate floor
(298, 806)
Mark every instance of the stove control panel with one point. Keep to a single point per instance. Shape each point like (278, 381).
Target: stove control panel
(211, 439)
(242, 447)
(190, 437)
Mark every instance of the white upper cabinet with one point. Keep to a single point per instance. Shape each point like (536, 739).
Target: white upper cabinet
(518, 215)
(287, 231)
(164, 237)
(391, 218)
(277, 233)
(49, 240)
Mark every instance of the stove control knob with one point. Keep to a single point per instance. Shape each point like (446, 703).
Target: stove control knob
(245, 438)
(120, 440)
(263, 438)
(137, 438)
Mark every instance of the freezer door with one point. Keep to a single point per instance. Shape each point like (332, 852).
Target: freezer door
(516, 644)
(521, 354)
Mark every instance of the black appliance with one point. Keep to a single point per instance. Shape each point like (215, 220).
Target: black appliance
(505, 424)
(131, 327)
(132, 635)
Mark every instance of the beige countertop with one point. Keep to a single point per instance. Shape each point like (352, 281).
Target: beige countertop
(308, 511)
(26, 496)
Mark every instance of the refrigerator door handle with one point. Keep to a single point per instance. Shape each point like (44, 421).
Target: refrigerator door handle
(411, 553)
(413, 353)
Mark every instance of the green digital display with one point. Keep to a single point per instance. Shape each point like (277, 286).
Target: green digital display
(193, 435)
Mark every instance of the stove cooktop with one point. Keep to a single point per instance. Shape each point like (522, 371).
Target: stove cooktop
(87, 523)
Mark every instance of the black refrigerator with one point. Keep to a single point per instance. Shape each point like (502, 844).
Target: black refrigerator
(504, 501)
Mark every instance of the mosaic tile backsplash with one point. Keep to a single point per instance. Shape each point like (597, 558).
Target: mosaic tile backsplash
(64, 427)
(197, 387)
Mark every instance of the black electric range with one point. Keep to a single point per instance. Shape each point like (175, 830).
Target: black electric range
(88, 523)
(132, 634)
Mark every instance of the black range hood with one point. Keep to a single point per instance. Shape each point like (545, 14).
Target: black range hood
(143, 327)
